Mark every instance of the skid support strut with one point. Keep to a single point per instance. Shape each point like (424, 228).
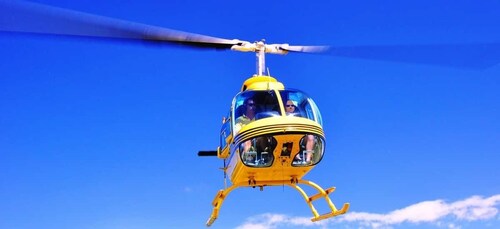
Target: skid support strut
(322, 193)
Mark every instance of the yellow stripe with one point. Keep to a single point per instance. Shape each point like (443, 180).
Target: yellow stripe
(278, 129)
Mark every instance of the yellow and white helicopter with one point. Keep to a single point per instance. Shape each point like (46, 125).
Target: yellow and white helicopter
(271, 136)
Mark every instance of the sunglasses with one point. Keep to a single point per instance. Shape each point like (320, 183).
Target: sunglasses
(251, 104)
(290, 105)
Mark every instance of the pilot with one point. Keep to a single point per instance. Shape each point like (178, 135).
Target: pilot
(290, 110)
(260, 144)
(247, 117)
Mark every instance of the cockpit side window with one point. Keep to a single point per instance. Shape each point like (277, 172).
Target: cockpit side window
(298, 104)
(258, 152)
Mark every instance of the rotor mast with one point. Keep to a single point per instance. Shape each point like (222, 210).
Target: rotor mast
(261, 58)
(260, 48)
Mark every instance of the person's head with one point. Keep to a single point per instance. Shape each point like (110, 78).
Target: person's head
(249, 106)
(290, 106)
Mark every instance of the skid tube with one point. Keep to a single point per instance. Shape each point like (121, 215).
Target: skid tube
(223, 193)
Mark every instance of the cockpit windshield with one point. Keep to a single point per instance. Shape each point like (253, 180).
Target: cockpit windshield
(254, 105)
(298, 104)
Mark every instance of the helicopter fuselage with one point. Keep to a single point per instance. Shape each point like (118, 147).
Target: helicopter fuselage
(271, 133)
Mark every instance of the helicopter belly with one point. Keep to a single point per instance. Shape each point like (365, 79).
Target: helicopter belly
(275, 153)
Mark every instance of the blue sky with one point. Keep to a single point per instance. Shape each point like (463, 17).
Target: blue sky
(104, 135)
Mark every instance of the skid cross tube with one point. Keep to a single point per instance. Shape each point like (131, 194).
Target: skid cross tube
(223, 193)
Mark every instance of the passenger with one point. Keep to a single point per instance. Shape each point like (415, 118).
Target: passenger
(290, 107)
(290, 110)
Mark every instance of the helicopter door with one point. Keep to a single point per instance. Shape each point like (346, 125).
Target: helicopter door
(225, 136)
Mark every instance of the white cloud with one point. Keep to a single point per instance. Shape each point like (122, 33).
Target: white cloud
(476, 208)
(437, 212)
(269, 221)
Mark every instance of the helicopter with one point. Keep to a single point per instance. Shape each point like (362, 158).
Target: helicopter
(272, 136)
(271, 150)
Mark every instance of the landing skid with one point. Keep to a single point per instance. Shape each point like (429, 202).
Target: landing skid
(223, 193)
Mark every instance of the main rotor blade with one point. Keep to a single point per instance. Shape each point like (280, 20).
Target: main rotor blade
(37, 19)
(306, 49)
(474, 56)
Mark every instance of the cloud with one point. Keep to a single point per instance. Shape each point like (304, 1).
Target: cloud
(471, 209)
(437, 212)
(269, 221)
